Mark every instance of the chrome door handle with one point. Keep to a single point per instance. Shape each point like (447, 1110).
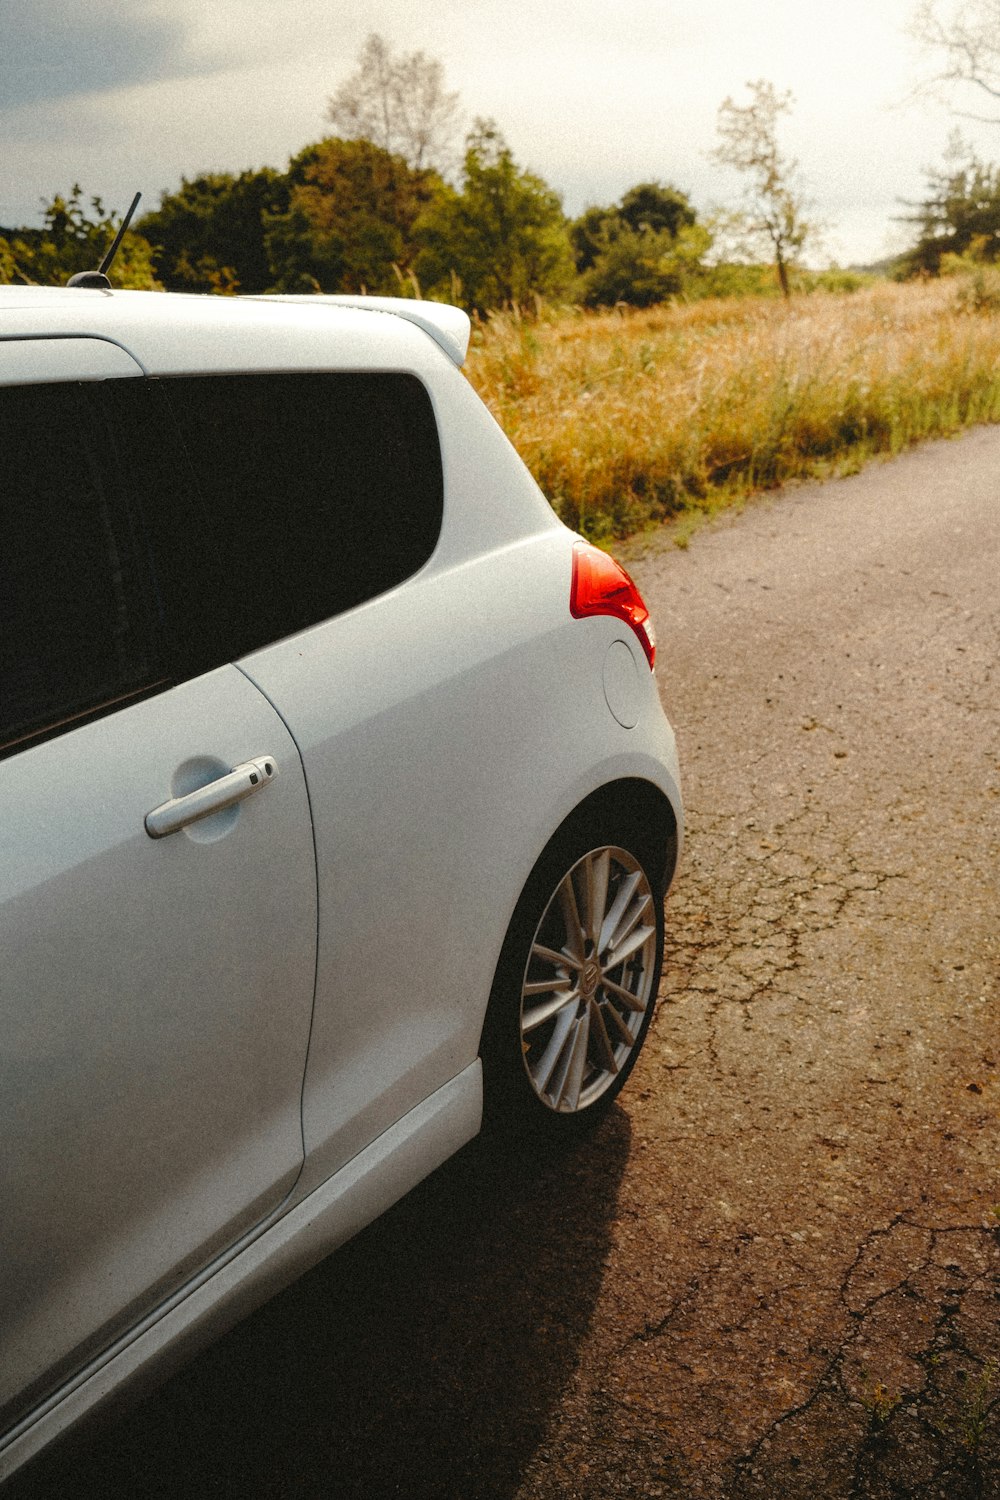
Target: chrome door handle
(242, 781)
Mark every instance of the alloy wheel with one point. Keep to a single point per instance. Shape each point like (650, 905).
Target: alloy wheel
(588, 983)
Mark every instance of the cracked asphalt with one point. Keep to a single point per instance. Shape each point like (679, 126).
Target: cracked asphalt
(774, 1271)
(818, 1113)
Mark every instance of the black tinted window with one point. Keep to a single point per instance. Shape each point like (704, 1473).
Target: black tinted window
(317, 492)
(154, 529)
(77, 628)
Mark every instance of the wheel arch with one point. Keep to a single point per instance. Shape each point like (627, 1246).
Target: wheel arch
(631, 811)
(641, 808)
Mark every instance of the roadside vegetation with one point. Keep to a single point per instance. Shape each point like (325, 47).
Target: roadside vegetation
(649, 361)
(628, 417)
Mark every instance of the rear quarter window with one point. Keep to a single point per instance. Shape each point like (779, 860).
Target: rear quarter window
(317, 492)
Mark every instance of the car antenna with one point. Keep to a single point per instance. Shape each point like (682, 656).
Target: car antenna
(99, 279)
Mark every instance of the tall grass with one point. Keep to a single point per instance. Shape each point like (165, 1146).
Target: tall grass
(630, 417)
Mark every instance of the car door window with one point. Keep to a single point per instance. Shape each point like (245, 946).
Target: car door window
(80, 633)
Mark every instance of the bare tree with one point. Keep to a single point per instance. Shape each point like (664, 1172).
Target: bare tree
(964, 38)
(774, 208)
(399, 102)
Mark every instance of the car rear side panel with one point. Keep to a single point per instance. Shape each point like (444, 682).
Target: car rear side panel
(437, 771)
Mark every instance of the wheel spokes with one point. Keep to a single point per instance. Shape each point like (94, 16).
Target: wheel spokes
(537, 1015)
(609, 1013)
(550, 956)
(544, 986)
(625, 996)
(568, 1080)
(602, 1045)
(631, 945)
(596, 874)
(546, 1066)
(612, 922)
(613, 934)
(575, 938)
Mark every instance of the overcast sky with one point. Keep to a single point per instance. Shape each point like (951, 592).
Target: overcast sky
(122, 95)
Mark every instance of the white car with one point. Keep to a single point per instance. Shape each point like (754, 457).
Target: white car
(336, 795)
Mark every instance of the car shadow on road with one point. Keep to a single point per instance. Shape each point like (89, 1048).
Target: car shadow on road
(422, 1359)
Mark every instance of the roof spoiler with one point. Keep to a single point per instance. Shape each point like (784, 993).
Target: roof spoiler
(448, 326)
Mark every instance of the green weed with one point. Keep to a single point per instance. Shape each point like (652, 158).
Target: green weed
(976, 1408)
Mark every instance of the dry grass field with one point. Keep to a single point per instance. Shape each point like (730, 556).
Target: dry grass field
(628, 417)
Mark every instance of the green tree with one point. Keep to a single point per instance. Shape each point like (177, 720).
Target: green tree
(656, 206)
(349, 223)
(209, 235)
(774, 210)
(12, 252)
(645, 266)
(589, 234)
(960, 214)
(640, 251)
(75, 238)
(501, 238)
(648, 205)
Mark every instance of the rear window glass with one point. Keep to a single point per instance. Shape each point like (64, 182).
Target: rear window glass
(317, 492)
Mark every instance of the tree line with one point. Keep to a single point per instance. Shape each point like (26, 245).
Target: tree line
(385, 204)
(350, 216)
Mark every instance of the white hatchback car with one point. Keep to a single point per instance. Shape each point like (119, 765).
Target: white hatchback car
(335, 792)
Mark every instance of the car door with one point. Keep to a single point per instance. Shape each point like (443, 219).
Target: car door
(155, 993)
(344, 508)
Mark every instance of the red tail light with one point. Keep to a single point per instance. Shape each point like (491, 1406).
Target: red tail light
(602, 587)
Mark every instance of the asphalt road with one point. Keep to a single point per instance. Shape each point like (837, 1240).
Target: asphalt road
(775, 1270)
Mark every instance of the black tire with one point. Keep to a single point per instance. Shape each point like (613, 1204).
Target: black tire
(567, 1018)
